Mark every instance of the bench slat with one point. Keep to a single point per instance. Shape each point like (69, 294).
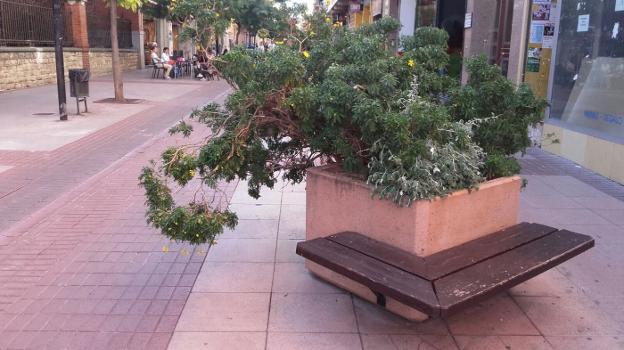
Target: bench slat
(447, 261)
(378, 276)
(506, 270)
(381, 251)
(456, 258)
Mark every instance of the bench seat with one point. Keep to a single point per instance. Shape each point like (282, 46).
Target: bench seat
(450, 280)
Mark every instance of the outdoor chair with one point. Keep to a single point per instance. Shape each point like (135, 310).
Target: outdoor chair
(157, 71)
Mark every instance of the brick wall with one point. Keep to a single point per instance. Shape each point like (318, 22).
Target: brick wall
(28, 67)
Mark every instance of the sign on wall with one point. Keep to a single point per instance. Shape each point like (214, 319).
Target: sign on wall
(542, 30)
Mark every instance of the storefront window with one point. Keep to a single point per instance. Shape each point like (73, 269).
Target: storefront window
(426, 13)
(588, 85)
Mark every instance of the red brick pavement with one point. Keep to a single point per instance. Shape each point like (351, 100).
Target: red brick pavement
(85, 272)
(37, 178)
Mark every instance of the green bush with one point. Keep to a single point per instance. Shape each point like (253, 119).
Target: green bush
(336, 95)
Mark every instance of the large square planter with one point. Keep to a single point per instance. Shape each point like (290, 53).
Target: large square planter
(337, 201)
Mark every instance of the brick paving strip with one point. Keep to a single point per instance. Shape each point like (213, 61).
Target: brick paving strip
(85, 271)
(37, 178)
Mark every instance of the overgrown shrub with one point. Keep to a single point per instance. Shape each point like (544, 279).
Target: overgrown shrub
(335, 95)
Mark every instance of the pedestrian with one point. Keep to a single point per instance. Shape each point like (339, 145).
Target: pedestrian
(157, 61)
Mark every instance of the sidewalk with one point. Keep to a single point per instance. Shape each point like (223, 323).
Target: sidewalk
(87, 273)
(41, 157)
(253, 291)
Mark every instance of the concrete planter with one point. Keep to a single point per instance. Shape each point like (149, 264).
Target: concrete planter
(337, 202)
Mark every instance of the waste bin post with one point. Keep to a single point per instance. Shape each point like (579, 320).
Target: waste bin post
(79, 86)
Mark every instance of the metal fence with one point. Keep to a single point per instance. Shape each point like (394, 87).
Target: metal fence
(99, 36)
(98, 26)
(29, 23)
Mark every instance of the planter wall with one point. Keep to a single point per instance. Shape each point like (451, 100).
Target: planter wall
(337, 202)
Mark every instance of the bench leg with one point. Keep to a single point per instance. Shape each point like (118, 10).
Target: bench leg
(364, 292)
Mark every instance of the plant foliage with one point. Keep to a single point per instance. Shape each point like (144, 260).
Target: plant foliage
(334, 95)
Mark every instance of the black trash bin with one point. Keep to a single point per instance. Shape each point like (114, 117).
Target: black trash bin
(79, 86)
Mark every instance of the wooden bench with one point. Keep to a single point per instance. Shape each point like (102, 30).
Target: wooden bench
(450, 280)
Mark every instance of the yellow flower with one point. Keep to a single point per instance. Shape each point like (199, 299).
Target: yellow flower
(306, 54)
(327, 20)
(192, 173)
(312, 34)
(279, 42)
(217, 14)
(165, 249)
(410, 63)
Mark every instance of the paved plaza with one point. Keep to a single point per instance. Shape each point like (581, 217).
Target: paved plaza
(79, 268)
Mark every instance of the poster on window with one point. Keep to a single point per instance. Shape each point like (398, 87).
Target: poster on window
(537, 34)
(541, 12)
(534, 59)
(548, 39)
(583, 23)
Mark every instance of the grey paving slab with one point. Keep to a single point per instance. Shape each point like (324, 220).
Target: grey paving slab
(227, 312)
(312, 312)
(408, 342)
(313, 341)
(496, 316)
(228, 277)
(574, 316)
(218, 341)
(502, 342)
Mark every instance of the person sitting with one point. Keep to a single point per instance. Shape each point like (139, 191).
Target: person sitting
(166, 59)
(158, 62)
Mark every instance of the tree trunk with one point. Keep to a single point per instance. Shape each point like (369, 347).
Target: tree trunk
(238, 27)
(117, 78)
(217, 45)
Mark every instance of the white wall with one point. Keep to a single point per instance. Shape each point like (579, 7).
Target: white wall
(407, 16)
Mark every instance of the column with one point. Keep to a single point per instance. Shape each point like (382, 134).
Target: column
(80, 33)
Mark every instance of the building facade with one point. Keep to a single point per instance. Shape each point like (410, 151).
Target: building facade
(585, 84)
(571, 52)
(27, 40)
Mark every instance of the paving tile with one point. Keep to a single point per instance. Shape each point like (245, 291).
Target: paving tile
(609, 234)
(537, 215)
(374, 319)
(218, 340)
(295, 278)
(331, 313)
(242, 250)
(297, 198)
(214, 312)
(293, 212)
(608, 203)
(553, 201)
(586, 343)
(313, 341)
(287, 251)
(256, 211)
(572, 316)
(254, 229)
(234, 277)
(496, 316)
(598, 271)
(408, 342)
(576, 216)
(615, 216)
(502, 342)
(292, 229)
(267, 196)
(551, 283)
